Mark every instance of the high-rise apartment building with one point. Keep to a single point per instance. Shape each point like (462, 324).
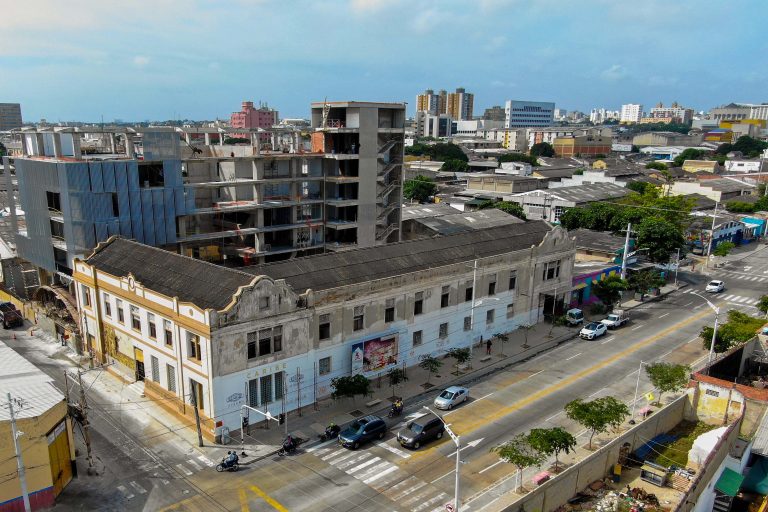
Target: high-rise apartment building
(428, 102)
(523, 114)
(460, 104)
(631, 113)
(671, 114)
(495, 113)
(442, 101)
(601, 115)
(337, 190)
(10, 116)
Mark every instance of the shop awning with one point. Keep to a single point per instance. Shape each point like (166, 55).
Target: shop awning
(729, 482)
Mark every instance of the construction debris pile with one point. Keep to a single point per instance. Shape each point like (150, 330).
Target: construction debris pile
(600, 498)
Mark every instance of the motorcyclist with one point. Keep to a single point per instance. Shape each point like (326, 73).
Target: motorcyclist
(231, 458)
(332, 430)
(397, 406)
(289, 444)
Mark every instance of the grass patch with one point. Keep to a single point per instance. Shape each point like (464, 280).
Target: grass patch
(677, 452)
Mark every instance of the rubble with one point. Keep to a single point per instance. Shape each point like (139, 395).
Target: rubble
(600, 498)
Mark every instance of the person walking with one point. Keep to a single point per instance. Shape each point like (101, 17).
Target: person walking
(488, 346)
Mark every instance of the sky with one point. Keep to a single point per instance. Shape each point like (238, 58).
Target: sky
(84, 60)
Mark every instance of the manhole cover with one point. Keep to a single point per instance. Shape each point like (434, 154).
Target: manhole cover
(356, 412)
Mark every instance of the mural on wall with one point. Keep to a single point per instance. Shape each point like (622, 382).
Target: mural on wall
(115, 348)
(374, 354)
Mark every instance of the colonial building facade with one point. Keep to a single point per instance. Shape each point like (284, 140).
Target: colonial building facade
(274, 336)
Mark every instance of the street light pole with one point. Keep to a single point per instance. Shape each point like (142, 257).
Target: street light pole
(472, 307)
(714, 330)
(457, 441)
(712, 234)
(637, 388)
(677, 266)
(626, 252)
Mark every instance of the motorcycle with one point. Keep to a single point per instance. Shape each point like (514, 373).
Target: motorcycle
(330, 433)
(395, 410)
(289, 446)
(229, 466)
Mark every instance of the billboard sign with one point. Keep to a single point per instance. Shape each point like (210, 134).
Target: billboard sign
(374, 354)
(627, 148)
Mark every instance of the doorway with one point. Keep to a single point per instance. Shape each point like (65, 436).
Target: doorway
(139, 356)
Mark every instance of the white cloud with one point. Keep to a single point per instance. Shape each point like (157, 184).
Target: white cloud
(614, 73)
(367, 5)
(140, 61)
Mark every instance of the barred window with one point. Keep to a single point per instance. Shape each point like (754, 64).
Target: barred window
(444, 330)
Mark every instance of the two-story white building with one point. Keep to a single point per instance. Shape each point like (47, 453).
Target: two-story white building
(274, 336)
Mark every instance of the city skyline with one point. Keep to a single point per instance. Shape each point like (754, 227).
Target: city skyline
(201, 62)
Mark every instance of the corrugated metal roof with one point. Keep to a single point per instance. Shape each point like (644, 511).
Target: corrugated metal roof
(32, 391)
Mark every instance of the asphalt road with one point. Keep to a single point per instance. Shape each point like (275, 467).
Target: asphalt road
(141, 467)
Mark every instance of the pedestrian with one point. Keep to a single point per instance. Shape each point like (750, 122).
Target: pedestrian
(488, 346)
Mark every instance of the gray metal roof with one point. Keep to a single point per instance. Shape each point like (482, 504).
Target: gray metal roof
(203, 284)
(455, 221)
(33, 391)
(597, 240)
(579, 194)
(345, 268)
(760, 441)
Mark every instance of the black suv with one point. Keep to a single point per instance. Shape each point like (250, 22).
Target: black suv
(362, 430)
(420, 431)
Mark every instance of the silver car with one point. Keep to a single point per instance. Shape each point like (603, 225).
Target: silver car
(451, 396)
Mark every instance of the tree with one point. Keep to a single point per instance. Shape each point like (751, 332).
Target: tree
(396, 376)
(430, 364)
(579, 171)
(461, 355)
(641, 187)
(519, 452)
(723, 248)
(542, 149)
(739, 328)
(509, 207)
(635, 149)
(659, 166)
(350, 386)
(645, 280)
(440, 152)
(609, 289)
(763, 304)
(236, 140)
(419, 188)
(688, 154)
(454, 165)
(598, 415)
(660, 237)
(519, 157)
(551, 441)
(667, 377)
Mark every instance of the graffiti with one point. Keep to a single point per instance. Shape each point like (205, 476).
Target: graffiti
(235, 398)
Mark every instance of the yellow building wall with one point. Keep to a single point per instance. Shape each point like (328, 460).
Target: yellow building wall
(34, 449)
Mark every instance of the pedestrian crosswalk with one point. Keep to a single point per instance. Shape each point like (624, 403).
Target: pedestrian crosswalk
(186, 468)
(407, 491)
(744, 276)
(727, 297)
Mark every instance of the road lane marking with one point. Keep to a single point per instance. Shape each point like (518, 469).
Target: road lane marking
(573, 356)
(363, 465)
(183, 469)
(320, 446)
(597, 392)
(554, 416)
(430, 503)
(128, 494)
(607, 340)
(636, 327)
(662, 316)
(373, 470)
(353, 461)
(410, 490)
(266, 497)
(686, 305)
(205, 460)
(138, 488)
(441, 477)
(243, 501)
(666, 354)
(692, 340)
(375, 477)
(483, 397)
(194, 464)
(491, 466)
(399, 453)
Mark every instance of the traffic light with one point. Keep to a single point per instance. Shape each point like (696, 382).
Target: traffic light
(281, 418)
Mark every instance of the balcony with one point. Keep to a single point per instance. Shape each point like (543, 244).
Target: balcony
(341, 201)
(340, 224)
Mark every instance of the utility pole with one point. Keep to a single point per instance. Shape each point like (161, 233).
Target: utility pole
(193, 390)
(19, 462)
(677, 266)
(472, 307)
(626, 252)
(712, 234)
(86, 428)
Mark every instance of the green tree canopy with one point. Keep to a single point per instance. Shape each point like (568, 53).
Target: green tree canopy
(598, 415)
(454, 165)
(509, 207)
(645, 280)
(439, 152)
(519, 157)
(723, 249)
(461, 355)
(236, 140)
(350, 386)
(431, 364)
(609, 289)
(419, 188)
(763, 304)
(659, 166)
(739, 328)
(551, 441)
(542, 149)
(748, 146)
(660, 237)
(668, 377)
(519, 452)
(641, 187)
(688, 154)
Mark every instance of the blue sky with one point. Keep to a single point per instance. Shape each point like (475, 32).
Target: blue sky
(159, 59)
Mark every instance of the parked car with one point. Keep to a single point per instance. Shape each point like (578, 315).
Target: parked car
(593, 330)
(616, 319)
(574, 316)
(420, 431)
(715, 286)
(451, 396)
(10, 316)
(361, 431)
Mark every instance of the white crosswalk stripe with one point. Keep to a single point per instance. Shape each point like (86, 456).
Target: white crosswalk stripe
(363, 465)
(399, 453)
(128, 495)
(370, 471)
(352, 461)
(183, 469)
(416, 498)
(195, 465)
(376, 476)
(138, 487)
(335, 453)
(430, 503)
(205, 460)
(409, 490)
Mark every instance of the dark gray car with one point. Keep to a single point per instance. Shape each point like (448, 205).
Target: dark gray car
(420, 431)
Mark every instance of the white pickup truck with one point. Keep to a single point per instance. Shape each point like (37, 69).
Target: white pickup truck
(616, 319)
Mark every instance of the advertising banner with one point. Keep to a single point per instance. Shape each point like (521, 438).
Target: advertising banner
(374, 354)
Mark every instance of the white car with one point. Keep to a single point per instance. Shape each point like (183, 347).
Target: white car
(451, 396)
(593, 330)
(715, 286)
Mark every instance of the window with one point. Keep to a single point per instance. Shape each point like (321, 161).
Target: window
(151, 174)
(252, 341)
(155, 368)
(512, 280)
(265, 341)
(417, 338)
(551, 270)
(135, 319)
(324, 366)
(152, 326)
(168, 332)
(277, 339)
(86, 293)
(510, 310)
(120, 312)
(358, 320)
(389, 311)
(492, 286)
(170, 372)
(468, 293)
(445, 297)
(489, 316)
(193, 346)
(107, 306)
(467, 323)
(279, 385)
(265, 388)
(263, 303)
(115, 206)
(443, 330)
(558, 213)
(418, 304)
(324, 328)
(54, 200)
(253, 392)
